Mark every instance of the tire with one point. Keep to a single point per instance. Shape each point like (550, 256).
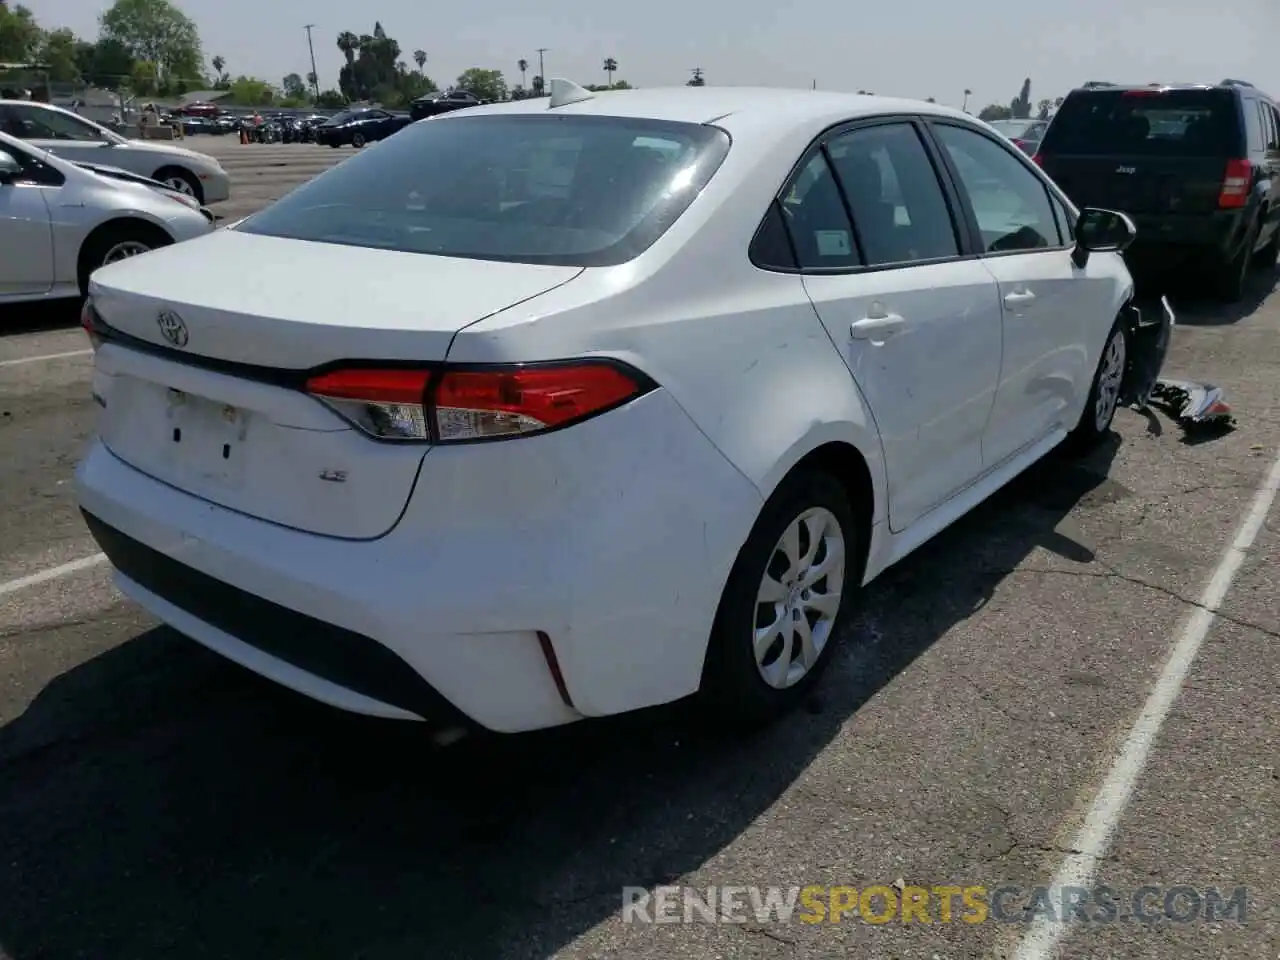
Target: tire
(334, 145)
(184, 181)
(105, 244)
(1104, 394)
(357, 140)
(1234, 274)
(734, 690)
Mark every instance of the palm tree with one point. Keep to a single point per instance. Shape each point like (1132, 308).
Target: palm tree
(219, 63)
(348, 43)
(420, 58)
(967, 94)
(610, 67)
(523, 66)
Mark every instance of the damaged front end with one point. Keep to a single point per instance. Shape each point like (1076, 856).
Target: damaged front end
(1194, 405)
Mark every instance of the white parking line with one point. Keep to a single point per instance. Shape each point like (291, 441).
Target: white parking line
(47, 356)
(1091, 842)
(31, 580)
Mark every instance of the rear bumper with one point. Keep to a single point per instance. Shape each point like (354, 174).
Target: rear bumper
(610, 542)
(1187, 239)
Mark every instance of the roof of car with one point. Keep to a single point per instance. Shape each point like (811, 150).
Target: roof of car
(706, 104)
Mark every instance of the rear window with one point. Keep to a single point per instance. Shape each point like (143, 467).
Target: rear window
(1020, 129)
(567, 190)
(1157, 123)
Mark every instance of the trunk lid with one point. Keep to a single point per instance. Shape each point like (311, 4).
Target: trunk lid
(1144, 151)
(223, 417)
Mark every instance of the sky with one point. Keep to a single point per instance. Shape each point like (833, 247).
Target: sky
(911, 48)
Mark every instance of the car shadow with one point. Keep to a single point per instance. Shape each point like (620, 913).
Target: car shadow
(1195, 306)
(159, 802)
(40, 317)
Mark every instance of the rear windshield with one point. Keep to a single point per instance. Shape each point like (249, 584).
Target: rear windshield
(567, 190)
(1159, 123)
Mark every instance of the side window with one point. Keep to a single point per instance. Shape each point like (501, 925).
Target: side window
(1066, 224)
(771, 247)
(1275, 124)
(40, 124)
(1010, 203)
(1253, 125)
(817, 219)
(899, 209)
(1268, 124)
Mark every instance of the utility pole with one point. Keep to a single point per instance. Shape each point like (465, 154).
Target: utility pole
(315, 77)
(542, 68)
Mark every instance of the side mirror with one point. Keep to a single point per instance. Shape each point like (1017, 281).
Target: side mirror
(1102, 231)
(9, 167)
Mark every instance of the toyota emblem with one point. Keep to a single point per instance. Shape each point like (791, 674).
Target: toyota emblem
(172, 327)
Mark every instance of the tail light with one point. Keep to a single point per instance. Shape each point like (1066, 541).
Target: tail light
(1235, 185)
(90, 323)
(452, 405)
(1020, 143)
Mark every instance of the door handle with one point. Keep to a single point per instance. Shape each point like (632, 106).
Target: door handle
(1019, 298)
(876, 328)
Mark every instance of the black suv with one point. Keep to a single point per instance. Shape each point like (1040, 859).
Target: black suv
(1196, 167)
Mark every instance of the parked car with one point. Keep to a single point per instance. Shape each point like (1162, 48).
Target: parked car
(1024, 134)
(59, 222)
(435, 104)
(613, 403)
(68, 135)
(1196, 167)
(357, 127)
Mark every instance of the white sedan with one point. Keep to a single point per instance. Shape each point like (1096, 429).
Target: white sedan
(68, 135)
(60, 222)
(608, 399)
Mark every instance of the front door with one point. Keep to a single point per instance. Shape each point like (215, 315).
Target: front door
(1056, 315)
(918, 326)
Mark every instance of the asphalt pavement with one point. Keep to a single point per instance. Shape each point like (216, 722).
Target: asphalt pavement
(158, 802)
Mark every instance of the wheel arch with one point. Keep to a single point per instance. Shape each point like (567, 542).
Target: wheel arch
(134, 221)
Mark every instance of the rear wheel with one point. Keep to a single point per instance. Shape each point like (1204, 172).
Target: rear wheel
(116, 242)
(786, 601)
(1104, 394)
(1234, 274)
(357, 140)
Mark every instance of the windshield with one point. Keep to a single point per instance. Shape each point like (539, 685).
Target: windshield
(1159, 123)
(567, 190)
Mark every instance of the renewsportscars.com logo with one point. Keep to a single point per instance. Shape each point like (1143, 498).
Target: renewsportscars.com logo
(881, 904)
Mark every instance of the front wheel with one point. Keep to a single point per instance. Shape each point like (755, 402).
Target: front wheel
(787, 599)
(357, 140)
(1104, 394)
(181, 181)
(112, 244)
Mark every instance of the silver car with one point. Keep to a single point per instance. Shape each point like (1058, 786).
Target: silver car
(1024, 134)
(59, 221)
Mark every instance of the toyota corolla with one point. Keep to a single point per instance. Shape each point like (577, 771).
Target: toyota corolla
(607, 399)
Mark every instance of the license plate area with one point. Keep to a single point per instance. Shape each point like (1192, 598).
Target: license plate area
(205, 441)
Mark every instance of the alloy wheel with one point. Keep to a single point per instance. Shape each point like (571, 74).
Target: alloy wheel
(799, 598)
(1110, 377)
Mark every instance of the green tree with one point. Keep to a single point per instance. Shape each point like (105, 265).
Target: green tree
(537, 86)
(105, 64)
(420, 58)
(331, 100)
(58, 53)
(249, 92)
(143, 78)
(157, 32)
(523, 66)
(995, 111)
(1020, 107)
(485, 84)
(294, 87)
(219, 63)
(1043, 108)
(610, 68)
(20, 35)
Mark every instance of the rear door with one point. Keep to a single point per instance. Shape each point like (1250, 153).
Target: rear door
(1151, 153)
(1055, 315)
(917, 323)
